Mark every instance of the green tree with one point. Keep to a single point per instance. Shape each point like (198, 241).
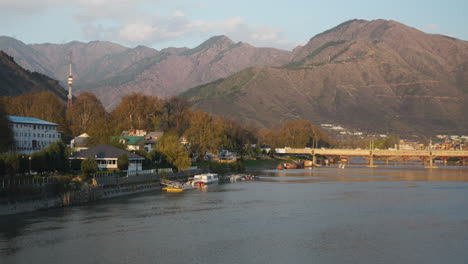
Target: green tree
(122, 162)
(89, 166)
(173, 152)
(258, 150)
(272, 151)
(2, 165)
(57, 156)
(6, 134)
(12, 163)
(204, 134)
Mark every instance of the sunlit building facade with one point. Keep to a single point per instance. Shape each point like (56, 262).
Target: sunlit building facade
(32, 134)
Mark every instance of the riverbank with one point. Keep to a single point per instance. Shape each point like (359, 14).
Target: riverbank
(104, 186)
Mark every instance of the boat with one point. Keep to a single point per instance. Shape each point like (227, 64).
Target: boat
(177, 189)
(290, 166)
(206, 178)
(308, 163)
(169, 189)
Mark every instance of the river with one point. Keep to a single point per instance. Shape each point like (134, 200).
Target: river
(397, 214)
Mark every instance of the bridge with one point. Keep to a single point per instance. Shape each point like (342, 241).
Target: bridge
(425, 155)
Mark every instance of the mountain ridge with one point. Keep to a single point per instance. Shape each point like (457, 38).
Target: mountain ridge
(110, 70)
(14, 80)
(374, 75)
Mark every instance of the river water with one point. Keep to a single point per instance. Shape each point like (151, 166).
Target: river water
(398, 214)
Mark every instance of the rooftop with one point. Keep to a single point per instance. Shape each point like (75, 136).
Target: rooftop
(29, 120)
(132, 140)
(104, 151)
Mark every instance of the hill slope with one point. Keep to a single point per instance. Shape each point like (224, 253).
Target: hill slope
(379, 75)
(110, 70)
(15, 80)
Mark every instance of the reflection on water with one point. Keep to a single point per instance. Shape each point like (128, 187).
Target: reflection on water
(325, 215)
(359, 174)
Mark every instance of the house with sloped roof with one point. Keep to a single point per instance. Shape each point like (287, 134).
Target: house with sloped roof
(107, 156)
(80, 142)
(151, 139)
(133, 142)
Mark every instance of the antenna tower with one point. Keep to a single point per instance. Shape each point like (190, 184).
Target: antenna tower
(70, 84)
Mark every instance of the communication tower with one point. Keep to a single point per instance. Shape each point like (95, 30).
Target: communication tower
(70, 84)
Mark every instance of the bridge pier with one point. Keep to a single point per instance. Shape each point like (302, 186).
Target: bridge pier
(314, 159)
(371, 161)
(431, 162)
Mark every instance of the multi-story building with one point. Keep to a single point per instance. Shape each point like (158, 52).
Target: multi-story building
(32, 134)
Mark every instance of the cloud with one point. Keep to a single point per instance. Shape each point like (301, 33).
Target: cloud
(139, 22)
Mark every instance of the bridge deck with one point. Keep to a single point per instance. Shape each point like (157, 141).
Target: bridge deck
(382, 153)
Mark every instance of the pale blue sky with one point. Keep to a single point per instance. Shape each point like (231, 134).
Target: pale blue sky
(178, 23)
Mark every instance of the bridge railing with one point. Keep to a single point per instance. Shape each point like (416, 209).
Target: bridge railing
(375, 152)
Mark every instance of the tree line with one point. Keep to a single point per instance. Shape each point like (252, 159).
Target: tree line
(174, 116)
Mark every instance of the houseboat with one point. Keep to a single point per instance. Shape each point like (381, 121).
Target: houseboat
(206, 178)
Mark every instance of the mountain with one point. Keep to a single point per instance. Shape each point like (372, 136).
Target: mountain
(379, 76)
(110, 70)
(169, 74)
(15, 80)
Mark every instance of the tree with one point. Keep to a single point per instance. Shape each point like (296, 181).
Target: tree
(89, 166)
(235, 136)
(137, 111)
(296, 134)
(272, 151)
(258, 150)
(122, 162)
(6, 134)
(204, 134)
(87, 111)
(44, 105)
(175, 115)
(57, 156)
(53, 158)
(173, 152)
(12, 163)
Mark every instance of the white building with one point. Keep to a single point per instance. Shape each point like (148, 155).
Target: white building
(32, 134)
(80, 142)
(107, 157)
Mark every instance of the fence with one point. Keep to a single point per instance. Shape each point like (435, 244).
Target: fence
(7, 183)
(142, 172)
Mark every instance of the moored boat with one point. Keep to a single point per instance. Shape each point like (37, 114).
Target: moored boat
(206, 178)
(290, 166)
(177, 189)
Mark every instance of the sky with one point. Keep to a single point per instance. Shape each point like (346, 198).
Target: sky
(159, 24)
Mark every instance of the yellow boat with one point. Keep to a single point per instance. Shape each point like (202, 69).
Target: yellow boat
(168, 189)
